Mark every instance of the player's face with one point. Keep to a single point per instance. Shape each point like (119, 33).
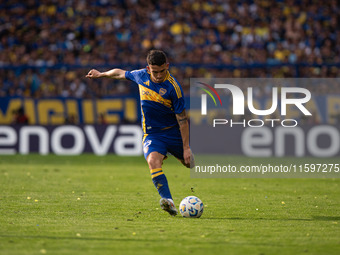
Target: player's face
(158, 73)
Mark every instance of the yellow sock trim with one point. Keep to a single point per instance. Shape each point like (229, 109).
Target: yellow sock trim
(158, 174)
(155, 170)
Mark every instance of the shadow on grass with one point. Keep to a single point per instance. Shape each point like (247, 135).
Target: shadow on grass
(326, 218)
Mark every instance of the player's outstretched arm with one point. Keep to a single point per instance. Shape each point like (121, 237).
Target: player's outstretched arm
(116, 73)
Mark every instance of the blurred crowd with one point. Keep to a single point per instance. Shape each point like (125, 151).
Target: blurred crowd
(60, 40)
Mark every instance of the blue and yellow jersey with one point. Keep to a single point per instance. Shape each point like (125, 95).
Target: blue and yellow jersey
(160, 102)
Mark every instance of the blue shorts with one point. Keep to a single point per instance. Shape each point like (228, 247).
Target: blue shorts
(167, 141)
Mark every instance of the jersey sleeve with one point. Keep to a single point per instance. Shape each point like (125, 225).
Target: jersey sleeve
(177, 98)
(134, 75)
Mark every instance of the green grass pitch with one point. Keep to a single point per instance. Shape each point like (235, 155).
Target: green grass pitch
(108, 205)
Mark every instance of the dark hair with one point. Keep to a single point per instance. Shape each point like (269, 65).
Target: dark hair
(156, 57)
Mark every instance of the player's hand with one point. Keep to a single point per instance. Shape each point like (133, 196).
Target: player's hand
(188, 158)
(93, 74)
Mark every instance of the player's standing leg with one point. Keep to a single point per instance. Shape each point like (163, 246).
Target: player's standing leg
(155, 161)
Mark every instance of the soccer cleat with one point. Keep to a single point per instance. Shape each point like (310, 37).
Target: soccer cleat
(168, 205)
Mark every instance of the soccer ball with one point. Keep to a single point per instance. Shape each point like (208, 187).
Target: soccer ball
(191, 207)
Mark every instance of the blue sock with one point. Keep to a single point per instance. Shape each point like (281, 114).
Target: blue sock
(160, 182)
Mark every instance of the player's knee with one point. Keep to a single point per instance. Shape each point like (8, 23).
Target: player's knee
(154, 161)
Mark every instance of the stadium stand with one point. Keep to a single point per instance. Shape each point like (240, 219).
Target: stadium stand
(46, 47)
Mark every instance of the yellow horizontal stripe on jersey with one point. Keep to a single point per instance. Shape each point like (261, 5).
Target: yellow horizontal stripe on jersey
(150, 95)
(155, 170)
(167, 127)
(174, 83)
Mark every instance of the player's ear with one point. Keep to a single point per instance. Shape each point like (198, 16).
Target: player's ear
(147, 67)
(167, 66)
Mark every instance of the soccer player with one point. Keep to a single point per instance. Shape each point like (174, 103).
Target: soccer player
(164, 119)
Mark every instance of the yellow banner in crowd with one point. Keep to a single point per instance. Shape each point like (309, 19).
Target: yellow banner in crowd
(61, 111)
